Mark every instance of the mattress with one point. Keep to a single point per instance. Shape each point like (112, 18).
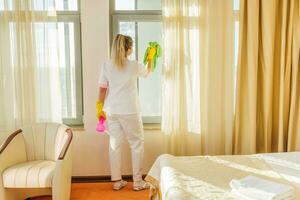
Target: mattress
(208, 177)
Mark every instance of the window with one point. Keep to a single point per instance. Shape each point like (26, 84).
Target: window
(70, 61)
(67, 32)
(141, 19)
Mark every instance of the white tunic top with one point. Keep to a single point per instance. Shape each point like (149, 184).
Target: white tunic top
(122, 94)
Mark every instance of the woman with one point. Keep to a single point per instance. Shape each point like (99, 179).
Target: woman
(118, 99)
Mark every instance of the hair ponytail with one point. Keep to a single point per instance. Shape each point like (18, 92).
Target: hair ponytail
(120, 46)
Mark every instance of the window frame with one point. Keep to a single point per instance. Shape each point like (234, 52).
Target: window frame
(134, 16)
(74, 16)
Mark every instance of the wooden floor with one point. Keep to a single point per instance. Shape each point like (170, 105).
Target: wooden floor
(102, 191)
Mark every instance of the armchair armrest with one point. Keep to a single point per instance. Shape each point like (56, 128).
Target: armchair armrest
(12, 151)
(66, 145)
(63, 170)
(8, 140)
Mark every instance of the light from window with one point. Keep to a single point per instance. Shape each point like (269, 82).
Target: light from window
(66, 54)
(47, 62)
(125, 4)
(8, 5)
(39, 5)
(57, 46)
(236, 51)
(236, 4)
(193, 81)
(138, 4)
(67, 68)
(236, 8)
(236, 42)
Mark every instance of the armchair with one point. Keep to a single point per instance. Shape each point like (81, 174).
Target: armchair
(37, 160)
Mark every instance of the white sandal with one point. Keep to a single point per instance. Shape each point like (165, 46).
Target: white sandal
(118, 185)
(140, 185)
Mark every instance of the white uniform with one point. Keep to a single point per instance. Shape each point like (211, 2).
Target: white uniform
(122, 108)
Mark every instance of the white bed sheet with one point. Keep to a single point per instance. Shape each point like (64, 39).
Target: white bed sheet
(286, 164)
(182, 184)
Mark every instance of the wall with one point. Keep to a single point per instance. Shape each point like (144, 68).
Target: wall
(91, 149)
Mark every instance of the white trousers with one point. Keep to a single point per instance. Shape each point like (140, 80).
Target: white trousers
(131, 128)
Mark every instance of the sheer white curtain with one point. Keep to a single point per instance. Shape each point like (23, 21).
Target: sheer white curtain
(198, 89)
(29, 67)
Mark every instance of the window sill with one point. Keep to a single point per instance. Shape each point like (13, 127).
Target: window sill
(152, 127)
(147, 127)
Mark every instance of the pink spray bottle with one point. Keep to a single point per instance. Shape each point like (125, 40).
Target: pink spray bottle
(101, 125)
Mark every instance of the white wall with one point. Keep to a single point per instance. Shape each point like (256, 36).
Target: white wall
(91, 149)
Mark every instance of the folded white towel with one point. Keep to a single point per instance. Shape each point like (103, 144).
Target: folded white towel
(252, 187)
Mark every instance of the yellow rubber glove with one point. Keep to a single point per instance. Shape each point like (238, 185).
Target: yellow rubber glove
(100, 112)
(151, 53)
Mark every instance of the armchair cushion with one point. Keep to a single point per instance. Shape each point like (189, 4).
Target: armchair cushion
(34, 174)
(44, 141)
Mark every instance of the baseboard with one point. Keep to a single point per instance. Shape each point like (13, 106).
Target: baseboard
(95, 179)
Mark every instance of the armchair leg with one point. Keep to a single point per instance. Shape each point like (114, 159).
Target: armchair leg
(7, 194)
(24, 193)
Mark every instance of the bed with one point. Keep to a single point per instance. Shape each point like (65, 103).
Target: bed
(208, 177)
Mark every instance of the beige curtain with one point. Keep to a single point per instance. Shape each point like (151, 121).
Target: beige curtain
(198, 88)
(29, 70)
(268, 86)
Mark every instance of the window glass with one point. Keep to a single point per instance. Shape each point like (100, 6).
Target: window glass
(6, 5)
(125, 4)
(67, 5)
(60, 42)
(138, 4)
(39, 5)
(66, 53)
(67, 69)
(128, 28)
(150, 88)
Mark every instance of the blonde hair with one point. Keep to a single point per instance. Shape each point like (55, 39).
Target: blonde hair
(120, 46)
